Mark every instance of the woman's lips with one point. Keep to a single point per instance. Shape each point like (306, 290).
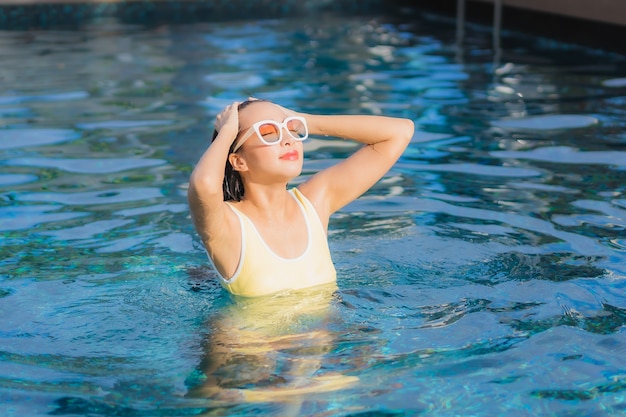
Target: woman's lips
(290, 156)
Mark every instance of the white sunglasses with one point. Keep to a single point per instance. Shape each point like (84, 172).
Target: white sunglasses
(270, 132)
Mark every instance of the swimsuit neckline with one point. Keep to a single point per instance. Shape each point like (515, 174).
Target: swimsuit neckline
(292, 192)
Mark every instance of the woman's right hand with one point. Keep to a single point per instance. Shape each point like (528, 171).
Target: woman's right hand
(228, 119)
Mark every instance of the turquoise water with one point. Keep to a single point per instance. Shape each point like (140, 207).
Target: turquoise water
(483, 276)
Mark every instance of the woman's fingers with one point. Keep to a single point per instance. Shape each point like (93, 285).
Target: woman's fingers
(229, 116)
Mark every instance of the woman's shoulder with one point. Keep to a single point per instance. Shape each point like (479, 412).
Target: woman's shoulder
(305, 192)
(315, 199)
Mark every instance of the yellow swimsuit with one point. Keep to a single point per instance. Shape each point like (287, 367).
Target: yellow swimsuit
(262, 272)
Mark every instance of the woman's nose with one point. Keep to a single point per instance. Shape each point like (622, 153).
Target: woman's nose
(287, 138)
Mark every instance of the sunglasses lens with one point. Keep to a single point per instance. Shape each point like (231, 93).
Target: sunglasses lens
(297, 129)
(269, 132)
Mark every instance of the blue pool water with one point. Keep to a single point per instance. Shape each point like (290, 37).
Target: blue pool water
(483, 276)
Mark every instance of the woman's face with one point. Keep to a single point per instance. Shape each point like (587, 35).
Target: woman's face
(283, 159)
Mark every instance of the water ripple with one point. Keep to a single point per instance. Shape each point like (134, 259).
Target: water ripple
(576, 242)
(15, 112)
(474, 169)
(547, 122)
(25, 138)
(613, 218)
(26, 217)
(614, 82)
(71, 95)
(123, 124)
(240, 80)
(88, 230)
(88, 165)
(567, 155)
(15, 179)
(120, 195)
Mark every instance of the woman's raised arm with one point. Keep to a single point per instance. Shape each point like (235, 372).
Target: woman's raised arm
(384, 140)
(205, 194)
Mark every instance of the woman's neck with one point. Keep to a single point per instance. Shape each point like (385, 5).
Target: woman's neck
(270, 203)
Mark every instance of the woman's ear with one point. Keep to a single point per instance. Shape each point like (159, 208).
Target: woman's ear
(238, 162)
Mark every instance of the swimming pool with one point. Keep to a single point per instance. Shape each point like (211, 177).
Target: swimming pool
(483, 276)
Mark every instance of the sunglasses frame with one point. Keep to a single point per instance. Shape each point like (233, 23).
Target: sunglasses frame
(281, 126)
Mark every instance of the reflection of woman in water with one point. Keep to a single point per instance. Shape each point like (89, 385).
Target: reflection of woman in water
(270, 349)
(270, 242)
(262, 237)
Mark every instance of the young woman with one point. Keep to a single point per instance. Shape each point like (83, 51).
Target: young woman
(262, 237)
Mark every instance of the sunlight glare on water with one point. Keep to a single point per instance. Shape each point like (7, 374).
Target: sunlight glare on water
(483, 275)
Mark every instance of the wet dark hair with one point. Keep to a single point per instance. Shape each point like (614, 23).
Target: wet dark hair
(233, 185)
